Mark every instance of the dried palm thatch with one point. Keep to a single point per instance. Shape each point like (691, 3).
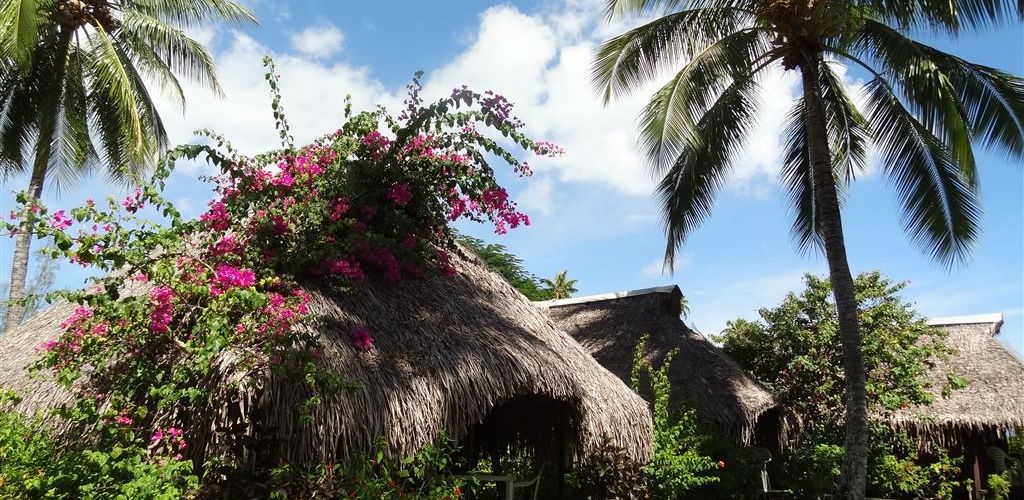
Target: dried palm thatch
(724, 395)
(448, 351)
(989, 407)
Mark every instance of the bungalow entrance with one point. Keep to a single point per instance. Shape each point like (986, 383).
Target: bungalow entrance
(525, 443)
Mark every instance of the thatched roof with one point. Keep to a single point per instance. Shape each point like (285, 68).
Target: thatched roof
(725, 396)
(993, 401)
(448, 350)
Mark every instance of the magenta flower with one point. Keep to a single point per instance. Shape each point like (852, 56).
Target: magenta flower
(217, 217)
(123, 418)
(400, 194)
(227, 277)
(134, 202)
(162, 314)
(60, 221)
(341, 206)
(361, 339)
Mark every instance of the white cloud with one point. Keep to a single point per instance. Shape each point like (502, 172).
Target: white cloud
(540, 62)
(537, 196)
(319, 42)
(546, 72)
(312, 91)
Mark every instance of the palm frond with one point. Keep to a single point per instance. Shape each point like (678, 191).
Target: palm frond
(628, 61)
(667, 122)
(941, 210)
(17, 115)
(796, 179)
(688, 189)
(849, 134)
(146, 36)
(20, 23)
(952, 17)
(114, 90)
(190, 13)
(71, 152)
(991, 101)
(624, 8)
(153, 68)
(154, 132)
(927, 89)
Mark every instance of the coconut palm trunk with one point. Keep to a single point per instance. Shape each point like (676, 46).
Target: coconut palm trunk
(48, 110)
(19, 264)
(853, 478)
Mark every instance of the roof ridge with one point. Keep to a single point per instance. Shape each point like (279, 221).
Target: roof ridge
(606, 296)
(970, 319)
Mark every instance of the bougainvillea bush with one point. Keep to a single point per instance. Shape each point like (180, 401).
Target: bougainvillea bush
(372, 200)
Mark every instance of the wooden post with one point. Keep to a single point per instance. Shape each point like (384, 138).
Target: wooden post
(977, 474)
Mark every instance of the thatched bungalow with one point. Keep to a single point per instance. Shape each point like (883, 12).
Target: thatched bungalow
(979, 417)
(725, 396)
(468, 355)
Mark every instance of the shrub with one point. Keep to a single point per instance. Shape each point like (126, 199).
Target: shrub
(112, 464)
(608, 473)
(999, 485)
(677, 464)
(426, 475)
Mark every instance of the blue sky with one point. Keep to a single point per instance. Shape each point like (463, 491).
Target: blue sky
(592, 209)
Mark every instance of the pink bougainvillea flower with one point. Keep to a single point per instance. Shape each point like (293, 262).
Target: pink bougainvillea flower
(162, 314)
(47, 346)
(227, 244)
(217, 217)
(341, 206)
(123, 418)
(134, 202)
(60, 221)
(227, 277)
(400, 194)
(361, 339)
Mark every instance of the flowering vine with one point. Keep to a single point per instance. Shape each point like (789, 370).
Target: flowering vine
(372, 200)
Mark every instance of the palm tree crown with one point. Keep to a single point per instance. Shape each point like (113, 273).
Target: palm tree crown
(73, 79)
(561, 287)
(923, 108)
(73, 92)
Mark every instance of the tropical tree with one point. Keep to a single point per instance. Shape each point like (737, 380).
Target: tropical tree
(508, 265)
(923, 111)
(561, 287)
(73, 92)
(793, 348)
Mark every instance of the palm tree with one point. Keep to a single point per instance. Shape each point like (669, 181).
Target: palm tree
(73, 92)
(924, 111)
(561, 287)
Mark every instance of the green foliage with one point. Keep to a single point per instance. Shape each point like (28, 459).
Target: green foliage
(677, 464)
(608, 473)
(426, 475)
(109, 463)
(500, 260)
(795, 350)
(811, 469)
(999, 485)
(559, 287)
